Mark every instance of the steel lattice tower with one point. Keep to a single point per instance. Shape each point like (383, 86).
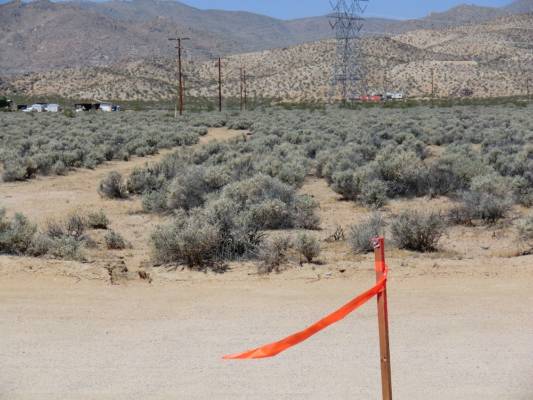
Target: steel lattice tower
(347, 23)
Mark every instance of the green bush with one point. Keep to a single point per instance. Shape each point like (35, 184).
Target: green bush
(416, 231)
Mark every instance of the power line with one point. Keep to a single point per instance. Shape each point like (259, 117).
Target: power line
(347, 23)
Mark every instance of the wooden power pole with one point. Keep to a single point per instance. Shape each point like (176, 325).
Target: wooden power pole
(433, 82)
(219, 84)
(180, 97)
(245, 89)
(242, 87)
(383, 318)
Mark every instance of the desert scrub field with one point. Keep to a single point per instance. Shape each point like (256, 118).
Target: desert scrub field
(222, 198)
(52, 144)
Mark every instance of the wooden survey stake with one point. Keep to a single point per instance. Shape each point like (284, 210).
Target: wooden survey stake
(383, 318)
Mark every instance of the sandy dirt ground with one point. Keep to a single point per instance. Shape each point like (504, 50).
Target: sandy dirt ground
(457, 332)
(461, 318)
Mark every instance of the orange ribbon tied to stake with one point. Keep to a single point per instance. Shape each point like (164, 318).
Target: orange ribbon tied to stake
(273, 349)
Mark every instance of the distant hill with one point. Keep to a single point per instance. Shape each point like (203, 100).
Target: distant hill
(492, 58)
(520, 6)
(42, 35)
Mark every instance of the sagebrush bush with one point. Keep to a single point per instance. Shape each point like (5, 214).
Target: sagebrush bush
(113, 186)
(273, 253)
(97, 220)
(417, 231)
(190, 240)
(75, 225)
(525, 228)
(114, 241)
(308, 246)
(304, 213)
(361, 235)
(52, 144)
(16, 234)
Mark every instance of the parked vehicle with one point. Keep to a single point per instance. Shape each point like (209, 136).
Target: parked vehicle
(38, 107)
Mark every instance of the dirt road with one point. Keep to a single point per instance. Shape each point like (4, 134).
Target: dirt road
(457, 333)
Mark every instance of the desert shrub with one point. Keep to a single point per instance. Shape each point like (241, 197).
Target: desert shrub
(374, 194)
(486, 207)
(17, 170)
(113, 187)
(361, 235)
(189, 240)
(41, 245)
(155, 202)
(16, 234)
(75, 225)
(308, 246)
(66, 247)
(525, 228)
(240, 235)
(347, 183)
(97, 220)
(188, 190)
(453, 172)
(240, 124)
(273, 253)
(489, 199)
(270, 214)
(304, 213)
(403, 172)
(59, 168)
(114, 241)
(416, 231)
(523, 191)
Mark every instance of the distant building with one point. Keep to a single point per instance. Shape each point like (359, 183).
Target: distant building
(53, 108)
(106, 107)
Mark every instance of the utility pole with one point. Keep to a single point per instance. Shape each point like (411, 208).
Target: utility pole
(527, 87)
(245, 89)
(242, 86)
(219, 84)
(433, 83)
(179, 105)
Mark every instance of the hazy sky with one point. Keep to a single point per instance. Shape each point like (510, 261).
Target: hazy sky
(288, 9)
(303, 8)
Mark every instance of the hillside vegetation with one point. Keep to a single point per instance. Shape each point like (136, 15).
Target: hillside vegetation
(484, 60)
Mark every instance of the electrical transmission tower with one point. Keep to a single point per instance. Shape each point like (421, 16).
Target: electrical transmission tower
(347, 23)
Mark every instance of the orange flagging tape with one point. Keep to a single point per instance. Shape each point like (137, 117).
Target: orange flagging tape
(273, 349)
